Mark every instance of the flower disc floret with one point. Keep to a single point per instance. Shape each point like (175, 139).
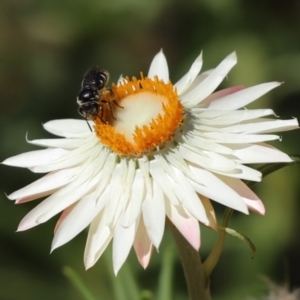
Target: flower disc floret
(150, 116)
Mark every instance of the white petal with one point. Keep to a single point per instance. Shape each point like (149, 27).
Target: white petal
(142, 245)
(135, 201)
(262, 153)
(227, 117)
(159, 67)
(124, 200)
(196, 82)
(49, 182)
(243, 97)
(122, 243)
(98, 239)
(206, 159)
(35, 158)
(145, 169)
(107, 164)
(115, 206)
(161, 179)
(234, 138)
(69, 128)
(242, 172)
(190, 76)
(79, 218)
(175, 158)
(186, 224)
(205, 144)
(263, 126)
(153, 209)
(72, 158)
(188, 196)
(61, 199)
(209, 84)
(58, 143)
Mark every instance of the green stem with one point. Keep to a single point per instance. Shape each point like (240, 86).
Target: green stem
(197, 283)
(214, 256)
(77, 283)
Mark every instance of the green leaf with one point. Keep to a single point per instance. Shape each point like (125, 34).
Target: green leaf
(269, 168)
(241, 237)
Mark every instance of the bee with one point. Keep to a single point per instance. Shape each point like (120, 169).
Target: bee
(94, 96)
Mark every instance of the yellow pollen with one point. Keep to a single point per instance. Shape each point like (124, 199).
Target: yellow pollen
(143, 116)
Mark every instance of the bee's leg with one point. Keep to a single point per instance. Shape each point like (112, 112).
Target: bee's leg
(116, 103)
(112, 97)
(101, 115)
(108, 104)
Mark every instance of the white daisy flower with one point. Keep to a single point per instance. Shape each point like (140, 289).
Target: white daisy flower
(168, 151)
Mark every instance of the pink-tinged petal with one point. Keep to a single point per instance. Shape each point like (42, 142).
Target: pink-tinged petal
(142, 245)
(183, 84)
(159, 67)
(69, 128)
(153, 210)
(35, 158)
(212, 187)
(243, 97)
(47, 183)
(98, 239)
(256, 205)
(63, 216)
(210, 83)
(122, 243)
(220, 94)
(250, 198)
(186, 224)
(32, 218)
(225, 92)
(34, 197)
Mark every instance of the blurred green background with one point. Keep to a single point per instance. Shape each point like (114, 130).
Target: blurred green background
(46, 46)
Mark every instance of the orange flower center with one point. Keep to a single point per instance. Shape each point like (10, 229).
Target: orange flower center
(142, 117)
